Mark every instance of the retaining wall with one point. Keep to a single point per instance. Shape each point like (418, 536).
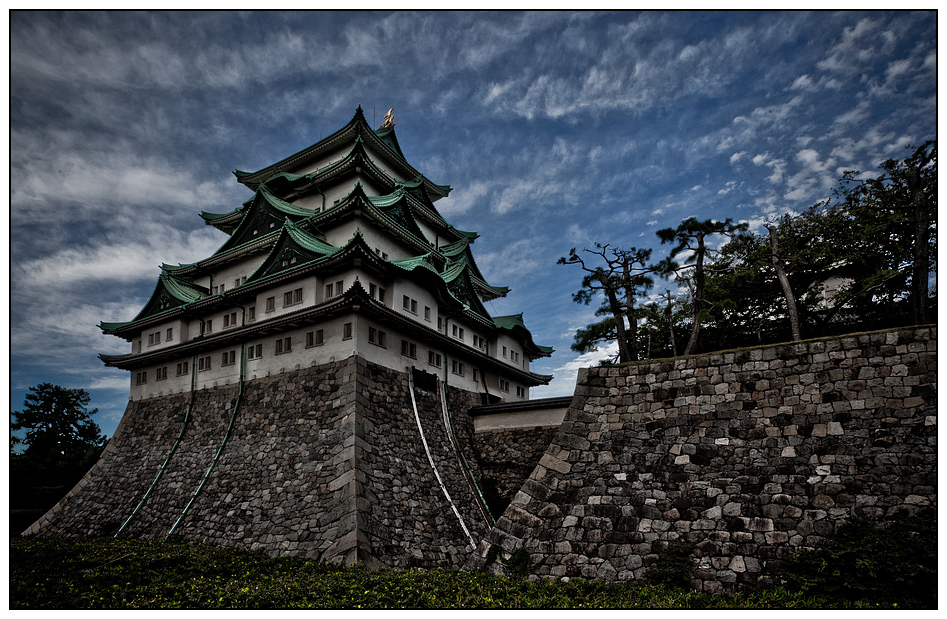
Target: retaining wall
(508, 456)
(748, 455)
(325, 462)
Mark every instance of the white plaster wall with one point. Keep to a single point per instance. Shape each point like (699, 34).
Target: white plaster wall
(512, 344)
(244, 268)
(384, 166)
(178, 328)
(430, 233)
(334, 348)
(311, 295)
(324, 161)
(405, 287)
(520, 419)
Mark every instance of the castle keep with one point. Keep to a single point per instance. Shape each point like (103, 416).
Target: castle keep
(304, 389)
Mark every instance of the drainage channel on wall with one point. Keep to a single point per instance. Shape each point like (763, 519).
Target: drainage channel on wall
(430, 458)
(223, 443)
(167, 460)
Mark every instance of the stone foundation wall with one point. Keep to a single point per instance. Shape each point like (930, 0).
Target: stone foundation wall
(508, 456)
(748, 455)
(325, 462)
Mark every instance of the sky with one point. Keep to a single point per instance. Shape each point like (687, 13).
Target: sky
(555, 130)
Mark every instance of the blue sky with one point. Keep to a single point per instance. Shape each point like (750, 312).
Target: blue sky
(556, 130)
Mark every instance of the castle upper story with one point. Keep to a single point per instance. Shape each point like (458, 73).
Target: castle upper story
(340, 251)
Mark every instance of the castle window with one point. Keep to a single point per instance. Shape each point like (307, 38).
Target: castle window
(203, 364)
(409, 304)
(434, 358)
(293, 297)
(162, 373)
(254, 352)
(168, 335)
(376, 337)
(243, 280)
(236, 282)
(409, 349)
(504, 385)
(427, 313)
(476, 376)
(458, 332)
(333, 291)
(223, 287)
(230, 320)
(376, 292)
(284, 345)
(314, 338)
(520, 392)
(270, 304)
(208, 325)
(251, 313)
(229, 358)
(141, 378)
(504, 352)
(457, 368)
(182, 368)
(347, 331)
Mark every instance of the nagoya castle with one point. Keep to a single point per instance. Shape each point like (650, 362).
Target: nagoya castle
(328, 384)
(305, 389)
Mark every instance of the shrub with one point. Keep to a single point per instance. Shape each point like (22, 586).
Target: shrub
(892, 565)
(673, 568)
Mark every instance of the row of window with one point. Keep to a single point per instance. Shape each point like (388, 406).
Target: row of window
(316, 338)
(513, 355)
(155, 338)
(236, 282)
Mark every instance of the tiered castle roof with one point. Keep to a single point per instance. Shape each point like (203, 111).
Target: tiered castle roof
(291, 241)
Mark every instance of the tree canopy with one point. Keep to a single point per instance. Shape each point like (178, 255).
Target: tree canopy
(56, 420)
(859, 260)
(61, 443)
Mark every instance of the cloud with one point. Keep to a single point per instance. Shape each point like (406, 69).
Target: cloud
(511, 262)
(474, 195)
(769, 120)
(778, 166)
(116, 263)
(730, 186)
(805, 83)
(567, 373)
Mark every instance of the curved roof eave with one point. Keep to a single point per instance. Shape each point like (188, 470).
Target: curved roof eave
(514, 323)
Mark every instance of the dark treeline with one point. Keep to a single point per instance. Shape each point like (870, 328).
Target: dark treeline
(61, 443)
(861, 260)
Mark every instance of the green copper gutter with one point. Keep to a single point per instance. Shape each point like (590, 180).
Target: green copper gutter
(464, 464)
(233, 417)
(177, 441)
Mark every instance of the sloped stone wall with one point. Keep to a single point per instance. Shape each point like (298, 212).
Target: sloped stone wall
(325, 462)
(748, 455)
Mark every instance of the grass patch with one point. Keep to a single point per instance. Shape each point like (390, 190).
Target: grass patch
(107, 573)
